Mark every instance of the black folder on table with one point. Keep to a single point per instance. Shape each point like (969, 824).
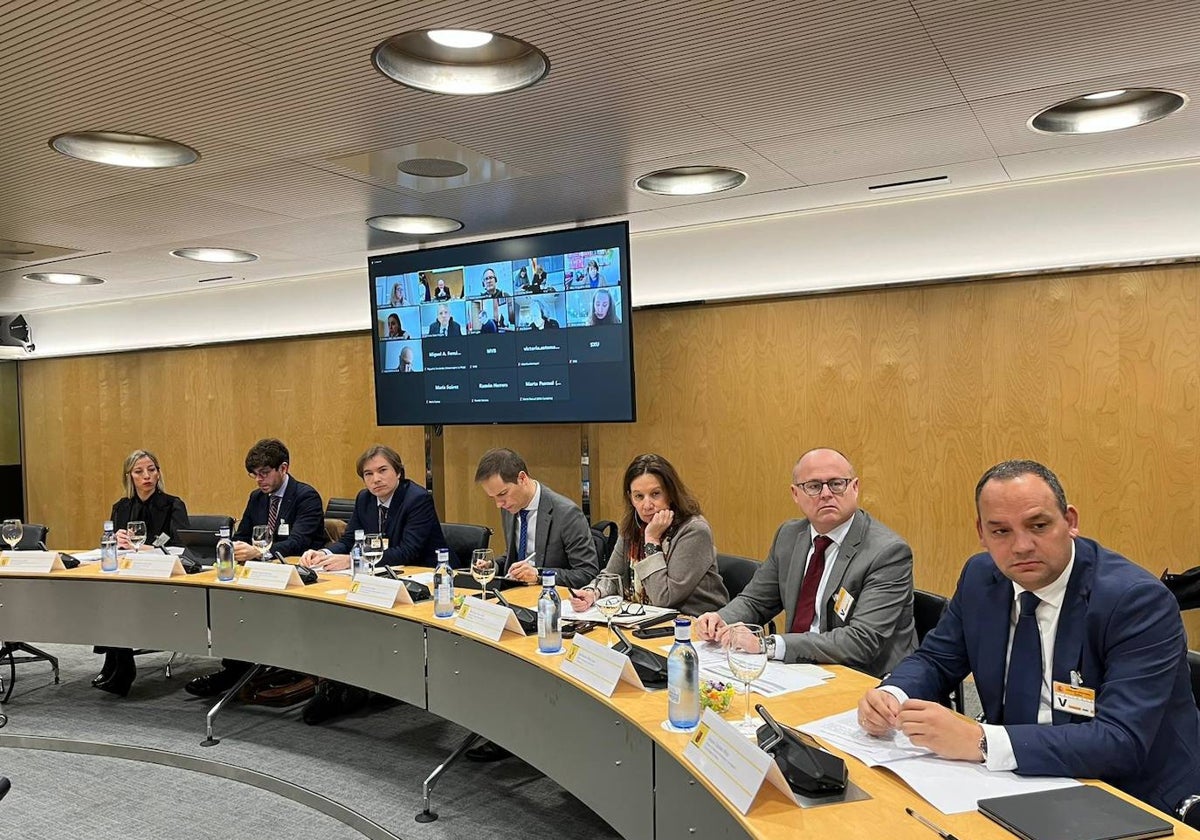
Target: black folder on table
(1076, 813)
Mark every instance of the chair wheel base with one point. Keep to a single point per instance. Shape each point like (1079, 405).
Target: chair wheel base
(426, 816)
(210, 742)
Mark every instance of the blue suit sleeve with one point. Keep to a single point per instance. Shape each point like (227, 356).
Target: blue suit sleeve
(936, 668)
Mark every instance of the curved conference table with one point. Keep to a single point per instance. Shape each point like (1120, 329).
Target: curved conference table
(610, 752)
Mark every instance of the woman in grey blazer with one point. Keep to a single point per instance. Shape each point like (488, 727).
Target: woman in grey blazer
(665, 553)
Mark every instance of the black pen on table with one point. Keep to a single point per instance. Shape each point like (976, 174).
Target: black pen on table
(945, 835)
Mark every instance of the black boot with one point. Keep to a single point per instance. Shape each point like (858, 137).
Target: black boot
(106, 670)
(123, 673)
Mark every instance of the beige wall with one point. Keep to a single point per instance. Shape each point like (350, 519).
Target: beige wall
(923, 387)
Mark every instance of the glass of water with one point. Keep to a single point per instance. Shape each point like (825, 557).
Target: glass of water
(610, 594)
(260, 538)
(12, 531)
(746, 656)
(373, 550)
(137, 533)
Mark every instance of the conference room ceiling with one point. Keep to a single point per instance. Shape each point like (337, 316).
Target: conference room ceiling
(816, 101)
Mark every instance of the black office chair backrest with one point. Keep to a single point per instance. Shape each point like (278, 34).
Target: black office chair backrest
(927, 611)
(339, 509)
(736, 572)
(1194, 667)
(463, 539)
(209, 522)
(601, 543)
(33, 537)
(609, 531)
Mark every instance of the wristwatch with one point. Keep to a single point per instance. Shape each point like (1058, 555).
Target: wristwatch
(652, 548)
(1186, 805)
(769, 646)
(983, 747)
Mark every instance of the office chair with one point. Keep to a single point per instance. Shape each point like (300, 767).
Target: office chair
(1194, 667)
(341, 509)
(33, 538)
(209, 522)
(927, 612)
(735, 572)
(464, 539)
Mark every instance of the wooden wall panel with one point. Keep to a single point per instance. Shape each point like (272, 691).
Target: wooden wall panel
(199, 410)
(923, 387)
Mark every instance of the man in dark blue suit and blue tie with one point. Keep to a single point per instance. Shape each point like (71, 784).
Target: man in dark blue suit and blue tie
(1079, 656)
(295, 517)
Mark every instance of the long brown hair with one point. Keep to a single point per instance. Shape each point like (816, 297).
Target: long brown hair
(682, 501)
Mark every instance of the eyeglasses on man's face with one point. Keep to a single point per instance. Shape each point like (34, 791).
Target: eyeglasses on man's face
(837, 486)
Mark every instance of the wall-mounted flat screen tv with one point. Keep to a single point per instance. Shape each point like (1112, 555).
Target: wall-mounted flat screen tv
(526, 329)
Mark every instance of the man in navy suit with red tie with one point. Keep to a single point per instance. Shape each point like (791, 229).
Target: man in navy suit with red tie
(295, 517)
(1079, 656)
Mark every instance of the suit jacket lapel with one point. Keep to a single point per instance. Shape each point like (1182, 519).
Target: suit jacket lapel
(542, 536)
(845, 553)
(795, 575)
(1072, 626)
(996, 613)
(287, 503)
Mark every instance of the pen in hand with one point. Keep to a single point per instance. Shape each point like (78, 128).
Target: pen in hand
(945, 835)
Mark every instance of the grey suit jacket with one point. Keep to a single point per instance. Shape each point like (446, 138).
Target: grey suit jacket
(563, 539)
(874, 565)
(684, 576)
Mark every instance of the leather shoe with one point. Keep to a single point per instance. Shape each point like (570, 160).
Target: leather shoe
(122, 676)
(487, 751)
(210, 685)
(106, 670)
(333, 699)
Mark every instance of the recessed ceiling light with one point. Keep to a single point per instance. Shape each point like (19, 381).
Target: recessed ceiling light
(215, 255)
(432, 167)
(415, 225)
(119, 149)
(499, 65)
(691, 180)
(459, 39)
(61, 278)
(1107, 110)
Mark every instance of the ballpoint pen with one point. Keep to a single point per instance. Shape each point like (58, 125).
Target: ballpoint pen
(945, 835)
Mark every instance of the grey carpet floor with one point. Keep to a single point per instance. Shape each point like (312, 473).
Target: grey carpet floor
(372, 762)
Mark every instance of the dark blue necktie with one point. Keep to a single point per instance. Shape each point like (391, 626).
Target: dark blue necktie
(1023, 688)
(523, 536)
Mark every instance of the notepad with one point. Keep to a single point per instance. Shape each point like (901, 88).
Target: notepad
(1078, 813)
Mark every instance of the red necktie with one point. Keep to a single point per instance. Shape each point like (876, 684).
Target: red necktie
(806, 605)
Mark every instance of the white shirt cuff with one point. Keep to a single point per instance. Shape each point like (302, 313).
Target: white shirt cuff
(780, 648)
(898, 693)
(1000, 751)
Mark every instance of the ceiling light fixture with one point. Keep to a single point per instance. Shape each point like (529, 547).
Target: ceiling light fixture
(7, 253)
(415, 225)
(459, 39)
(117, 148)
(215, 255)
(432, 168)
(498, 65)
(1108, 110)
(691, 180)
(62, 278)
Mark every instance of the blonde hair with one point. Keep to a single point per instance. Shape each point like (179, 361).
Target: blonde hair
(135, 456)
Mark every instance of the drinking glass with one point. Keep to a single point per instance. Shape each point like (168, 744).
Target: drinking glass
(746, 655)
(137, 533)
(261, 538)
(12, 531)
(373, 550)
(609, 596)
(483, 567)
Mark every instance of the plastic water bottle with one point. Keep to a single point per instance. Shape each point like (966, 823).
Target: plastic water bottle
(683, 679)
(549, 612)
(358, 561)
(108, 548)
(443, 585)
(225, 563)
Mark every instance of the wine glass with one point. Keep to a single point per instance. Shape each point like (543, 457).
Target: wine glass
(137, 533)
(12, 531)
(609, 596)
(483, 567)
(746, 655)
(373, 550)
(261, 538)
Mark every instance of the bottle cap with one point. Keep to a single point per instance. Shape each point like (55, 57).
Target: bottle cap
(108, 526)
(360, 535)
(224, 531)
(547, 577)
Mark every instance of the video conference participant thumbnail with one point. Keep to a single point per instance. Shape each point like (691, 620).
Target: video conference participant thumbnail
(444, 319)
(403, 357)
(594, 308)
(401, 324)
(541, 312)
(489, 281)
(397, 290)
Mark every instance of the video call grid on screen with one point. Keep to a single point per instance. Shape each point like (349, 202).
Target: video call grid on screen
(528, 329)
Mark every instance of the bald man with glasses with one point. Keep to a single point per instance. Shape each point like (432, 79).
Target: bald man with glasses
(843, 579)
